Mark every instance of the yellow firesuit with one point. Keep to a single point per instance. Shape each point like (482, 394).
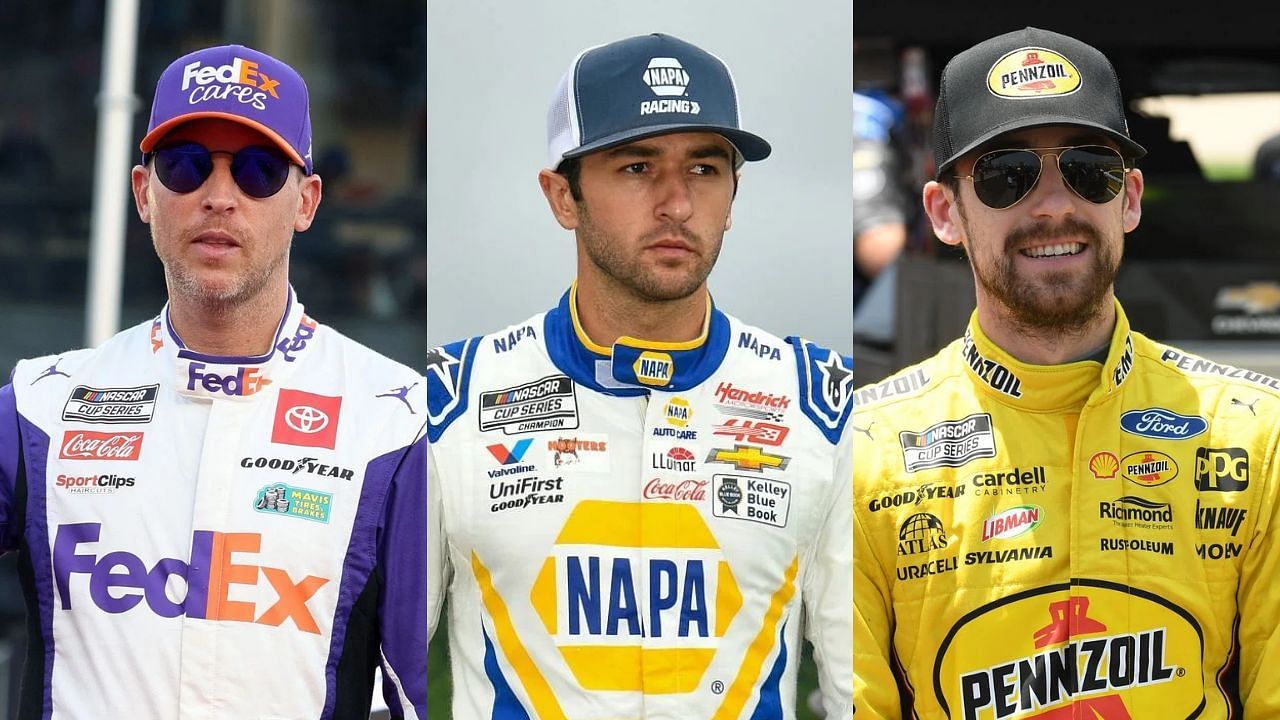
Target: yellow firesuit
(1073, 541)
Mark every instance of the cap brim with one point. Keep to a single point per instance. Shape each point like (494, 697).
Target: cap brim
(157, 134)
(751, 147)
(1128, 147)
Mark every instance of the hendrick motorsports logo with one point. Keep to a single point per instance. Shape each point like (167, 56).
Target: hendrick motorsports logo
(950, 443)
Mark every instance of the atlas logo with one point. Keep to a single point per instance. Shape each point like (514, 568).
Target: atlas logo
(119, 581)
(241, 383)
(614, 597)
(241, 80)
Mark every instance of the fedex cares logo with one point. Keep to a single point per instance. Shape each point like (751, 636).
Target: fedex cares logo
(243, 382)
(306, 419)
(240, 80)
(87, 445)
(119, 581)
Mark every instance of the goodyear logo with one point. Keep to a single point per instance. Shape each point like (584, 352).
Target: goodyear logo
(636, 596)
(1089, 648)
(654, 368)
(1033, 72)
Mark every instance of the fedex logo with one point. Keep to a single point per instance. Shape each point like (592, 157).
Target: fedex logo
(120, 581)
(245, 381)
(306, 330)
(240, 81)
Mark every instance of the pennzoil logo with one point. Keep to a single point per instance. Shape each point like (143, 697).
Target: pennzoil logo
(1033, 72)
(1089, 648)
(1148, 468)
(615, 597)
(654, 368)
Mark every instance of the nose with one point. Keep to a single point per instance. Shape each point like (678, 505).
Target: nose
(674, 202)
(1051, 197)
(220, 190)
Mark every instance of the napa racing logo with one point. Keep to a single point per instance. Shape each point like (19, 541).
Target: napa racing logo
(240, 80)
(1089, 648)
(667, 78)
(628, 583)
(1033, 72)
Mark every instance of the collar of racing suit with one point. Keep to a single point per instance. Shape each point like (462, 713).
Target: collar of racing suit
(633, 366)
(217, 377)
(1045, 388)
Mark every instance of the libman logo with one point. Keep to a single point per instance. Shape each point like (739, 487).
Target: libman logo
(636, 596)
(1011, 523)
(1033, 72)
(1089, 648)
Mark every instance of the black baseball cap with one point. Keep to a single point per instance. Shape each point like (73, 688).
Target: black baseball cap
(1023, 79)
(641, 87)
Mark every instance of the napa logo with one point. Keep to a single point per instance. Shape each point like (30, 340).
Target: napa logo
(678, 412)
(1033, 72)
(632, 588)
(654, 368)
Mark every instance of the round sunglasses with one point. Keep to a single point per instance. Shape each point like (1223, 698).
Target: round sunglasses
(259, 171)
(1001, 178)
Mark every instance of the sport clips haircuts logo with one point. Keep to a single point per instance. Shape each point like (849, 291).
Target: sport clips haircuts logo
(240, 80)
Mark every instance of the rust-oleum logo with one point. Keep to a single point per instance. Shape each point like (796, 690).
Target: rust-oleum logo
(1090, 648)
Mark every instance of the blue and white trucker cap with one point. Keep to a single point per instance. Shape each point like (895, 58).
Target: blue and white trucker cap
(641, 87)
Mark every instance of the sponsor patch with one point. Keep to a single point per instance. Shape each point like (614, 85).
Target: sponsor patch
(104, 484)
(1210, 517)
(309, 465)
(306, 419)
(921, 533)
(677, 412)
(282, 499)
(111, 405)
(1162, 424)
(510, 454)
(1015, 481)
(893, 387)
(750, 403)
(1222, 469)
(1148, 468)
(584, 453)
(522, 492)
(1104, 465)
(1131, 511)
(546, 404)
(747, 341)
(753, 431)
(1011, 523)
(760, 499)
(90, 445)
(927, 491)
(995, 375)
(654, 368)
(950, 443)
(1033, 72)
(688, 490)
(748, 457)
(677, 459)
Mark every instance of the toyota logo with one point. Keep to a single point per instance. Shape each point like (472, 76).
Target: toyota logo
(306, 419)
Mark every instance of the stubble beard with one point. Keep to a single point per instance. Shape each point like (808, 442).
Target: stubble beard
(609, 253)
(240, 289)
(1054, 303)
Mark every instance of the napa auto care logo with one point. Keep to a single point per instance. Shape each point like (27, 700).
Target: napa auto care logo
(625, 583)
(240, 80)
(1088, 648)
(220, 567)
(1033, 72)
(88, 445)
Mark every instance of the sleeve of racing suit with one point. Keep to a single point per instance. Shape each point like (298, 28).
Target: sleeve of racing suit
(875, 689)
(1258, 599)
(403, 637)
(828, 592)
(10, 464)
(438, 571)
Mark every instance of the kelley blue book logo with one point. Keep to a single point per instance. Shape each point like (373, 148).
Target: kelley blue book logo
(1162, 424)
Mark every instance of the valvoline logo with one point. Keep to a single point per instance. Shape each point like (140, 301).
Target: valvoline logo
(243, 382)
(240, 80)
(621, 590)
(119, 581)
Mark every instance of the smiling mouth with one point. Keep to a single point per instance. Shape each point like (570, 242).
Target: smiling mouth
(1058, 250)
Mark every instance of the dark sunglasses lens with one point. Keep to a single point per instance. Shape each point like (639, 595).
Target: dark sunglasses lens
(183, 168)
(259, 172)
(1004, 177)
(1094, 172)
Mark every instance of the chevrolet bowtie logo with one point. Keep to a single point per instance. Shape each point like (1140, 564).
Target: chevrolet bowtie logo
(1254, 298)
(748, 457)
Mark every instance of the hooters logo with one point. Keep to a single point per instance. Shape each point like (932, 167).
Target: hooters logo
(1089, 648)
(87, 445)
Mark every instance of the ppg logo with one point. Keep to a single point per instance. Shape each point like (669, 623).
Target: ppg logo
(1222, 469)
(666, 77)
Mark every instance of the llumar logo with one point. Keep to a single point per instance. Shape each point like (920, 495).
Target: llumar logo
(616, 598)
(240, 80)
(1088, 648)
(1033, 72)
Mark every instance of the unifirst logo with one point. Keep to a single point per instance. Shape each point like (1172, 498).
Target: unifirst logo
(241, 80)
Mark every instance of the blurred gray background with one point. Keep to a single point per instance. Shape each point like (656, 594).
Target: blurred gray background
(495, 255)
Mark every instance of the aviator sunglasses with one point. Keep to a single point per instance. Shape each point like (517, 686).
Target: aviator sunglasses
(1003, 177)
(260, 172)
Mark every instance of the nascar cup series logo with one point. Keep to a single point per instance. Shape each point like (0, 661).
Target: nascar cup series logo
(636, 596)
(1033, 72)
(1090, 648)
(240, 80)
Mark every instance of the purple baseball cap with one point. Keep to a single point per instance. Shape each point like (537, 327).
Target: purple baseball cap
(235, 83)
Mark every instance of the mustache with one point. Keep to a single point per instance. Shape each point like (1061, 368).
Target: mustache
(667, 230)
(1052, 231)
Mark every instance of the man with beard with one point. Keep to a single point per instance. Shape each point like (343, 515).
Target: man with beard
(703, 529)
(1055, 514)
(229, 496)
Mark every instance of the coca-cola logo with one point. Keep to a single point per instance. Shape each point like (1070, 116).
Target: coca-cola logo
(692, 490)
(89, 445)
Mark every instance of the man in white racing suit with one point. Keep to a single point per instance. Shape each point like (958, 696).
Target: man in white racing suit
(219, 512)
(641, 528)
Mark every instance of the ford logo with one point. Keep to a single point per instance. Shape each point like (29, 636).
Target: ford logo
(1162, 424)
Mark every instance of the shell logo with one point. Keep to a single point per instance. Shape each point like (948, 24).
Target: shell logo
(1102, 649)
(678, 412)
(1148, 468)
(1033, 72)
(1104, 465)
(636, 596)
(654, 368)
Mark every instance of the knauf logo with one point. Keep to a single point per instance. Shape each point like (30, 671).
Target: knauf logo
(666, 77)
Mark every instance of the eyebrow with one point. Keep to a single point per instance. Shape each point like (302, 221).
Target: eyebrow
(641, 150)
